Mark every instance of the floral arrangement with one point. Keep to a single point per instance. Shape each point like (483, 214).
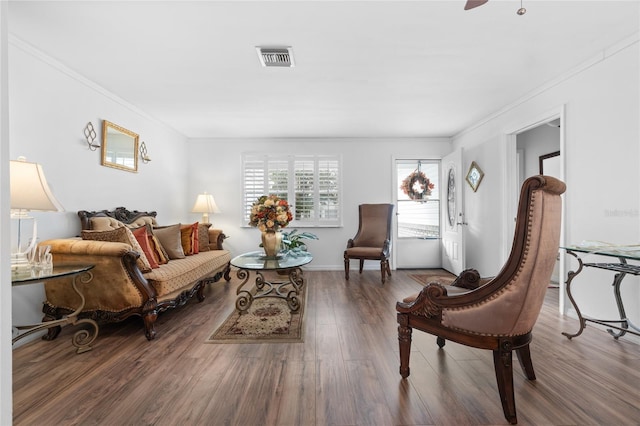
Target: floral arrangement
(270, 213)
(417, 186)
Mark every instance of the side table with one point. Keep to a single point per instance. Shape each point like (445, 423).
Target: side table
(622, 268)
(82, 339)
(287, 266)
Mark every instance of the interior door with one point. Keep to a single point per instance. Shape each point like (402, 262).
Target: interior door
(452, 213)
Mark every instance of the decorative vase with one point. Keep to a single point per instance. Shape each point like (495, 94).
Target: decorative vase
(271, 243)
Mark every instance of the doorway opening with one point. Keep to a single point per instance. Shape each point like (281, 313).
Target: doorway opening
(533, 149)
(538, 152)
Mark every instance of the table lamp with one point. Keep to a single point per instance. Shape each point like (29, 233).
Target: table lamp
(205, 204)
(29, 192)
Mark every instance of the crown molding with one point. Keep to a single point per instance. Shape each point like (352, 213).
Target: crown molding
(59, 66)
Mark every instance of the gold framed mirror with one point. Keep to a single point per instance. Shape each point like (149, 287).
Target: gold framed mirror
(119, 147)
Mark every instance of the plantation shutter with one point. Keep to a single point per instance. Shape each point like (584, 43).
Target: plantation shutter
(278, 178)
(310, 183)
(304, 189)
(254, 183)
(328, 190)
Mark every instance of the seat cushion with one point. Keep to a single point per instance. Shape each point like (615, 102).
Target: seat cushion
(369, 252)
(180, 273)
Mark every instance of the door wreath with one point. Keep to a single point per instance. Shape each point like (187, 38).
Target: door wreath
(417, 186)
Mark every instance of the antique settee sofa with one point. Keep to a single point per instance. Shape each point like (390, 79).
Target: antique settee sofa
(132, 277)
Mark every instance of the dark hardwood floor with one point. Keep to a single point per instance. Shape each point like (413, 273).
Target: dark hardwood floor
(345, 373)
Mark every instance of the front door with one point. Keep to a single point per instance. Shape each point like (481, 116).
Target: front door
(417, 214)
(452, 213)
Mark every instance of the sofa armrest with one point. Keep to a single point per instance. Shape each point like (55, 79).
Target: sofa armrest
(117, 282)
(76, 246)
(216, 238)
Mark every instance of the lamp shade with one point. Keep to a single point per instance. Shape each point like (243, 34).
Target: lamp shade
(205, 204)
(29, 188)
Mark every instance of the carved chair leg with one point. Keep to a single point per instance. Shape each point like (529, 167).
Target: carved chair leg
(440, 341)
(52, 332)
(502, 362)
(346, 267)
(386, 263)
(149, 324)
(404, 341)
(382, 270)
(524, 356)
(361, 264)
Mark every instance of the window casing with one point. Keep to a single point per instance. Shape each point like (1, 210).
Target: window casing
(310, 183)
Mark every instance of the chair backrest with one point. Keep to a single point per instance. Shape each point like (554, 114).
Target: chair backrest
(374, 225)
(515, 296)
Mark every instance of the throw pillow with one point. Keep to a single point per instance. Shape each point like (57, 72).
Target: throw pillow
(159, 253)
(189, 238)
(170, 239)
(143, 239)
(120, 235)
(195, 239)
(203, 236)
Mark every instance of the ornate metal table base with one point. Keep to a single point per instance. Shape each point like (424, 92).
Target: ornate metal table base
(288, 289)
(624, 325)
(81, 339)
(284, 266)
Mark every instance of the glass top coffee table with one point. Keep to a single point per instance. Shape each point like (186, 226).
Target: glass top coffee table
(286, 268)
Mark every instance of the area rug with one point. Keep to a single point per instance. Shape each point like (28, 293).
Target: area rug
(430, 275)
(268, 320)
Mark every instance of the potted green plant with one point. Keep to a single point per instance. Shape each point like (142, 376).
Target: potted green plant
(293, 244)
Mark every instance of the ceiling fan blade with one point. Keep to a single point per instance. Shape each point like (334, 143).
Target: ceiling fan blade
(474, 3)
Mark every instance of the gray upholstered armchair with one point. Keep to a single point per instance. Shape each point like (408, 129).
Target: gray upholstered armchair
(500, 314)
(373, 239)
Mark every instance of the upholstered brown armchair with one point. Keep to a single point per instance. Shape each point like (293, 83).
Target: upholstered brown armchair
(373, 239)
(500, 314)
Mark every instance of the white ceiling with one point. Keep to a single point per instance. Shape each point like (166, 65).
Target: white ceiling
(363, 68)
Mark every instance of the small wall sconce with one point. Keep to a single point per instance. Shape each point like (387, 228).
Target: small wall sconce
(90, 134)
(144, 156)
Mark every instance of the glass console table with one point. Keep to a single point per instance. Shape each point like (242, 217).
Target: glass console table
(621, 267)
(286, 266)
(82, 339)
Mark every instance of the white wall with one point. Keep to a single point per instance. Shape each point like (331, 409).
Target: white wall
(215, 166)
(6, 395)
(49, 108)
(601, 157)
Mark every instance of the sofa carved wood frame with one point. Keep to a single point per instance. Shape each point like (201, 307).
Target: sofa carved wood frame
(151, 308)
(499, 314)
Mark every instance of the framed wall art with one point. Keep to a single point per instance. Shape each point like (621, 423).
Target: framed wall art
(474, 176)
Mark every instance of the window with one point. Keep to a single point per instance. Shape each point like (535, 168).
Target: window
(310, 183)
(419, 219)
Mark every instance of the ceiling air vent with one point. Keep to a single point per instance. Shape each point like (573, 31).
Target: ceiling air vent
(276, 56)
